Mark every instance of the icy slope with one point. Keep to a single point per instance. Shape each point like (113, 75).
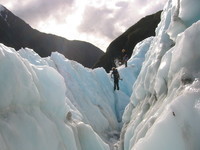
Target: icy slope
(33, 109)
(164, 111)
(54, 103)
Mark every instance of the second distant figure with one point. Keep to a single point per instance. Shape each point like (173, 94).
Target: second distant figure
(124, 57)
(116, 76)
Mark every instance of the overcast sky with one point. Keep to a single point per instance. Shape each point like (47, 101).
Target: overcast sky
(95, 21)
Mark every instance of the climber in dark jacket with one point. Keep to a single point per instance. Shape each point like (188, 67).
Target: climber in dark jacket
(115, 75)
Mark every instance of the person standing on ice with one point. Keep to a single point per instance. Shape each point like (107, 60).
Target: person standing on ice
(116, 76)
(124, 57)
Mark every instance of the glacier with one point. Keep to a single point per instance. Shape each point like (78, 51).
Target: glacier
(53, 103)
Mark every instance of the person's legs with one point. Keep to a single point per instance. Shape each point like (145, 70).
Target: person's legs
(125, 63)
(117, 84)
(114, 86)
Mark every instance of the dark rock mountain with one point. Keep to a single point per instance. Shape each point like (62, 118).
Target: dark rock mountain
(142, 29)
(14, 32)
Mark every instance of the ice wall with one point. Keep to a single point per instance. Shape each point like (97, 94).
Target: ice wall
(61, 101)
(34, 110)
(164, 108)
(55, 103)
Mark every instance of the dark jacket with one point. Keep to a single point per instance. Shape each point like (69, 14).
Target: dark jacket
(115, 74)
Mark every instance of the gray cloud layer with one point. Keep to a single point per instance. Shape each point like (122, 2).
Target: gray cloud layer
(34, 10)
(98, 21)
(107, 22)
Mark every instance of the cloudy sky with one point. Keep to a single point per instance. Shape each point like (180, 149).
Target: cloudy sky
(95, 21)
